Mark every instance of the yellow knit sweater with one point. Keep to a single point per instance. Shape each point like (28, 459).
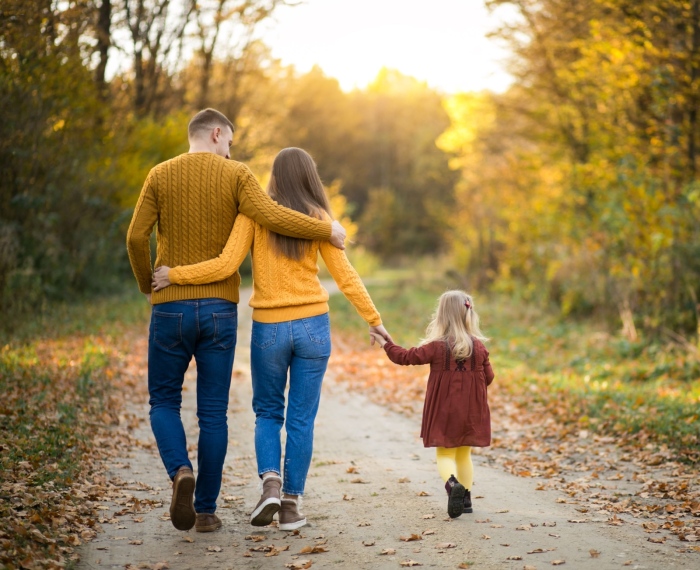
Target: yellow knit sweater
(195, 199)
(284, 289)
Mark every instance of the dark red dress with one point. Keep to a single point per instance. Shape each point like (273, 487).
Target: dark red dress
(456, 410)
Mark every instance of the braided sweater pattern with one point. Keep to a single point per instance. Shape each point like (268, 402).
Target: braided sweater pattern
(283, 289)
(194, 199)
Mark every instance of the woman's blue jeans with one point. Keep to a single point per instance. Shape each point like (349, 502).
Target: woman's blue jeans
(300, 348)
(205, 329)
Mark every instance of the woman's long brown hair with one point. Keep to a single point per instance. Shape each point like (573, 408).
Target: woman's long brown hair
(295, 183)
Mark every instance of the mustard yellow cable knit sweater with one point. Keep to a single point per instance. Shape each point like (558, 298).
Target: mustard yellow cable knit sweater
(284, 289)
(195, 198)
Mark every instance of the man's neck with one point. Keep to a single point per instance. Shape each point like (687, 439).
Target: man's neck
(196, 146)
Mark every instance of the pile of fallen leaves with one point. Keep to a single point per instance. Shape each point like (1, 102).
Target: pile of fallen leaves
(601, 466)
(59, 398)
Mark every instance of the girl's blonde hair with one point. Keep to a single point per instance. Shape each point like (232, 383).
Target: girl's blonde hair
(456, 322)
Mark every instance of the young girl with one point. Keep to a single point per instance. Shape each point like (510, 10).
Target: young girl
(456, 413)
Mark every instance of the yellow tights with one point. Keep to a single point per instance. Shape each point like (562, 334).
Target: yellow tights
(456, 461)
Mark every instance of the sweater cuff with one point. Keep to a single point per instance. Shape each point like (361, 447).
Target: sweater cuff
(174, 276)
(329, 231)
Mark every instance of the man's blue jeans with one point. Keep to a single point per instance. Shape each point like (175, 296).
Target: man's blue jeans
(302, 348)
(205, 329)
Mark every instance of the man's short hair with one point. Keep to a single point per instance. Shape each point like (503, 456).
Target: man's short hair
(206, 120)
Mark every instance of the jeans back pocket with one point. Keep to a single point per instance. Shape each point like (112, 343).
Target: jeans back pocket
(167, 329)
(264, 335)
(318, 328)
(225, 329)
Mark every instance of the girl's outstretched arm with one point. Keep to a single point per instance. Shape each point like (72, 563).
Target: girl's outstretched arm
(419, 355)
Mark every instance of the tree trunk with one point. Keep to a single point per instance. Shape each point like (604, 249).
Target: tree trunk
(104, 41)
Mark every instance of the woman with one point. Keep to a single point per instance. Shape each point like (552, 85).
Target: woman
(291, 329)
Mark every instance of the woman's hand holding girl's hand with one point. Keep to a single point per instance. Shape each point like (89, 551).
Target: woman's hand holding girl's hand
(378, 338)
(381, 331)
(160, 278)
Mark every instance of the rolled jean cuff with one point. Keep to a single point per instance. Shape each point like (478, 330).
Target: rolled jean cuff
(207, 511)
(261, 472)
(291, 492)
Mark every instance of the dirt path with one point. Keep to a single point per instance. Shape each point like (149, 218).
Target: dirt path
(371, 483)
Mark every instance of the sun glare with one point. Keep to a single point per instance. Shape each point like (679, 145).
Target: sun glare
(445, 44)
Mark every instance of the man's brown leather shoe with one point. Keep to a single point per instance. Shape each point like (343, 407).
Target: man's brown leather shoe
(207, 522)
(182, 513)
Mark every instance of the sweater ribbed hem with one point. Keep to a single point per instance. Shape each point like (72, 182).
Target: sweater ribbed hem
(284, 314)
(227, 290)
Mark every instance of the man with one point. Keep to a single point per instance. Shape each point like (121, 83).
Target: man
(195, 198)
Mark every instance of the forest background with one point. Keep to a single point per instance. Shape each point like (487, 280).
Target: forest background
(576, 187)
(569, 203)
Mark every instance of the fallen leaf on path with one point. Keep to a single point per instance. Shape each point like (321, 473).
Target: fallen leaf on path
(514, 557)
(275, 550)
(348, 498)
(554, 535)
(428, 516)
(313, 549)
(657, 540)
(214, 548)
(558, 562)
(161, 566)
(442, 545)
(299, 565)
(496, 526)
(465, 565)
(594, 553)
(523, 527)
(404, 480)
(411, 538)
(503, 511)
(485, 537)
(255, 537)
(388, 551)
(549, 523)
(352, 470)
(368, 543)
(138, 519)
(423, 494)
(627, 563)
(359, 480)
(529, 567)
(428, 532)
(576, 521)
(364, 523)
(410, 563)
(540, 550)
(483, 520)
(136, 542)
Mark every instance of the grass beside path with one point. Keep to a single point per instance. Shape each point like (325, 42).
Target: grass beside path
(587, 378)
(56, 377)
